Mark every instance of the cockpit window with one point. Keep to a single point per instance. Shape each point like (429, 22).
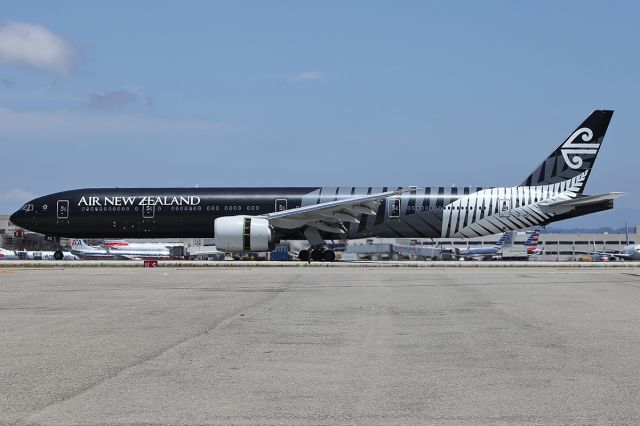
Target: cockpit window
(27, 207)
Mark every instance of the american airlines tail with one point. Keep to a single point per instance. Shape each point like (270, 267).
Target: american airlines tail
(79, 245)
(532, 241)
(503, 239)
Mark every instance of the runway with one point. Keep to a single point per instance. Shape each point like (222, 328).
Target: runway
(293, 345)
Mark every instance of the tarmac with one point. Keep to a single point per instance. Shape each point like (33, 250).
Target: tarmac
(292, 345)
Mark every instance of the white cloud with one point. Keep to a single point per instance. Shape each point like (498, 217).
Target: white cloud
(34, 46)
(309, 75)
(16, 194)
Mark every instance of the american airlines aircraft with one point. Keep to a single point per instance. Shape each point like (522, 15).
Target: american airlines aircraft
(253, 219)
(489, 253)
(7, 254)
(34, 255)
(120, 250)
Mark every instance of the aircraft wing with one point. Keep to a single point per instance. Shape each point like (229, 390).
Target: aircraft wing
(330, 216)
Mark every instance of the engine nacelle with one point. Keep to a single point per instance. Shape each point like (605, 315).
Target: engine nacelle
(242, 233)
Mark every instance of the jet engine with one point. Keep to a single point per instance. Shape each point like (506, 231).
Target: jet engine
(242, 233)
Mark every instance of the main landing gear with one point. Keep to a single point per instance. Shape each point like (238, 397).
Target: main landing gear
(317, 254)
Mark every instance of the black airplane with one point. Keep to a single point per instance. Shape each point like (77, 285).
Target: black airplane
(254, 219)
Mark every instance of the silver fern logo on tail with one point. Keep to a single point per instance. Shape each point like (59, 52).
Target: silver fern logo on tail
(575, 150)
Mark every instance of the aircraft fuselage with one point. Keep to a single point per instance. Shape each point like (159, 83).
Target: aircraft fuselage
(426, 212)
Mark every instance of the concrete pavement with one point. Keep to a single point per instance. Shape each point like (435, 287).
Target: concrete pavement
(320, 346)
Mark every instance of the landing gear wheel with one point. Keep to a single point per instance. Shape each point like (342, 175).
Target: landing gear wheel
(303, 255)
(329, 255)
(57, 255)
(317, 255)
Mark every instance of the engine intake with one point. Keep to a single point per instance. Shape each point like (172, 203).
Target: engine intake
(242, 233)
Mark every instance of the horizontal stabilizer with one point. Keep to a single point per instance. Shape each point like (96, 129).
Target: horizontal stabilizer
(586, 200)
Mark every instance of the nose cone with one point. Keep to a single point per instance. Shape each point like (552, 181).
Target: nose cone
(15, 219)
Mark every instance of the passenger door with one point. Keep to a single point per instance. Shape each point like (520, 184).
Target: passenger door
(393, 206)
(505, 207)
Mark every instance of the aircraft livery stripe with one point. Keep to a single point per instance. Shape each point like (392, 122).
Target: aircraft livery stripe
(429, 224)
(364, 217)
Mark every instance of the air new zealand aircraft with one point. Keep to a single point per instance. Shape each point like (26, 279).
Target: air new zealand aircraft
(253, 219)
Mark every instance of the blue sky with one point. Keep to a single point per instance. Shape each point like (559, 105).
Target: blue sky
(151, 93)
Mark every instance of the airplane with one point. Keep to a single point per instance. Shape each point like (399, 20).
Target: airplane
(45, 255)
(32, 255)
(490, 253)
(87, 252)
(144, 246)
(484, 253)
(127, 250)
(254, 219)
(628, 252)
(120, 250)
(7, 254)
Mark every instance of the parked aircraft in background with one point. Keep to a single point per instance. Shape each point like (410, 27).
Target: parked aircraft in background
(631, 252)
(141, 247)
(120, 250)
(484, 253)
(628, 252)
(45, 255)
(84, 251)
(7, 254)
(254, 219)
(491, 253)
(33, 255)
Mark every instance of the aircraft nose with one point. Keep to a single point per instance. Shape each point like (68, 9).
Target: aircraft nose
(15, 218)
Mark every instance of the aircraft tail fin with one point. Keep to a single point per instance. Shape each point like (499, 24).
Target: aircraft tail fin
(532, 241)
(501, 241)
(576, 155)
(79, 245)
